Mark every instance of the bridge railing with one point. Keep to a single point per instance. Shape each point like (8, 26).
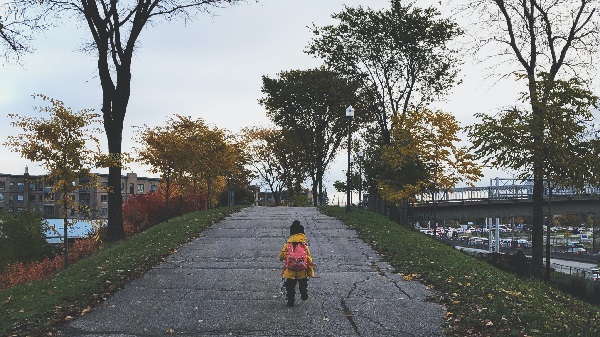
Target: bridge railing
(500, 189)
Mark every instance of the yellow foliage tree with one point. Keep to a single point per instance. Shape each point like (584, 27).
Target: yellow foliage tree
(431, 139)
(60, 143)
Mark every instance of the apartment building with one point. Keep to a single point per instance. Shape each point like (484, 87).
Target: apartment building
(18, 192)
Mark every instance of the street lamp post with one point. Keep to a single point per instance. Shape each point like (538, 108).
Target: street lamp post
(360, 181)
(349, 115)
(360, 159)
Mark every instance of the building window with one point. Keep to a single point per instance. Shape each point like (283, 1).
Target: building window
(104, 211)
(48, 211)
(140, 188)
(41, 197)
(11, 185)
(21, 185)
(104, 198)
(122, 187)
(153, 188)
(130, 188)
(32, 187)
(11, 197)
(84, 198)
(2, 184)
(31, 198)
(20, 197)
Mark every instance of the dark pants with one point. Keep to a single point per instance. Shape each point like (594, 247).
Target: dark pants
(290, 288)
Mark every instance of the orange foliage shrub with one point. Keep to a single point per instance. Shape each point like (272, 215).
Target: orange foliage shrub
(19, 272)
(142, 211)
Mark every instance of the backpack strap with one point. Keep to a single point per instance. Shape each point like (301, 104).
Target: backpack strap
(285, 265)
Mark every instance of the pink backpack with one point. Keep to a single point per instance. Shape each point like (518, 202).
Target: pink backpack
(297, 258)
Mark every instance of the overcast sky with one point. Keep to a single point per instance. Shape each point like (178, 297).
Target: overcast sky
(210, 68)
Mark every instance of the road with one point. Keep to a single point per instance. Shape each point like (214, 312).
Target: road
(228, 282)
(563, 266)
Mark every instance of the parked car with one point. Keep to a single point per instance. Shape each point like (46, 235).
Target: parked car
(474, 240)
(426, 231)
(575, 245)
(576, 250)
(595, 274)
(503, 229)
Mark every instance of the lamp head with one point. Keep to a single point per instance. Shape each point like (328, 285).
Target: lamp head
(350, 111)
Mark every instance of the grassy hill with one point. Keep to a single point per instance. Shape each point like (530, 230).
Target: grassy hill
(36, 308)
(481, 300)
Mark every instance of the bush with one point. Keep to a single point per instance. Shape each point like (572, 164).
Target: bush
(517, 263)
(22, 238)
(595, 295)
(142, 211)
(20, 272)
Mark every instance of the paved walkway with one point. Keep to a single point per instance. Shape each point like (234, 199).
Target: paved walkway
(227, 283)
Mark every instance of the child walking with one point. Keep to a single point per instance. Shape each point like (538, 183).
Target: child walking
(298, 263)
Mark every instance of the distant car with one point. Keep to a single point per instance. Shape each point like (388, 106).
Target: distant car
(426, 231)
(474, 240)
(575, 245)
(576, 250)
(503, 229)
(595, 274)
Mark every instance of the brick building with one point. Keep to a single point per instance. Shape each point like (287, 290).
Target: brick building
(18, 192)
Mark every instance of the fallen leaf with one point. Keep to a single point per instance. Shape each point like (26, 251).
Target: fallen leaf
(170, 330)
(8, 300)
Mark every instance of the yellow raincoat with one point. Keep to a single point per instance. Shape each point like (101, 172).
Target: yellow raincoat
(310, 271)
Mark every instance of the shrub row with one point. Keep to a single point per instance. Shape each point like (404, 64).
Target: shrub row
(23, 272)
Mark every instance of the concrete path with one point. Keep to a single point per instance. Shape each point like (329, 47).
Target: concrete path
(228, 283)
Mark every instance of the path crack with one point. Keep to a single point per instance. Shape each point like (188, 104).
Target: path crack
(349, 316)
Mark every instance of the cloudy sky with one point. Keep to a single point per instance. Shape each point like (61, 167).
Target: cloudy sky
(210, 68)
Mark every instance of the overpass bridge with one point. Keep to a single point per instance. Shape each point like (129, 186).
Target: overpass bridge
(503, 198)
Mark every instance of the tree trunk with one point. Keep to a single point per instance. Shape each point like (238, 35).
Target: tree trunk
(208, 192)
(167, 193)
(180, 192)
(114, 105)
(115, 230)
(537, 233)
(314, 191)
(548, 223)
(320, 182)
(65, 224)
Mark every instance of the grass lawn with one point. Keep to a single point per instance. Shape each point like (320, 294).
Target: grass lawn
(481, 300)
(36, 308)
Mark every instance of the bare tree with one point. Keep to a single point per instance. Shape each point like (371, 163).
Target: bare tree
(115, 28)
(554, 37)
